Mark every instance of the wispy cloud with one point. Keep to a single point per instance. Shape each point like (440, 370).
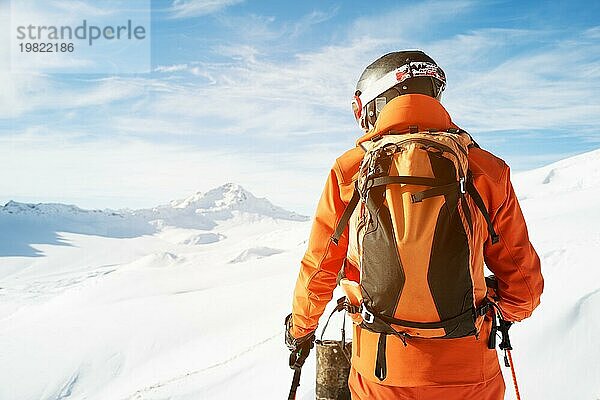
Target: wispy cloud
(28, 93)
(198, 8)
(550, 84)
(272, 33)
(592, 33)
(171, 68)
(313, 18)
(254, 97)
(253, 28)
(81, 8)
(240, 52)
(410, 21)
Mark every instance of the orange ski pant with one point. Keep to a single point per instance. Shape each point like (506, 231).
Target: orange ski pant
(363, 389)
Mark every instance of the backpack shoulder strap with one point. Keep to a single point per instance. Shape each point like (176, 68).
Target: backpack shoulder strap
(472, 190)
(345, 218)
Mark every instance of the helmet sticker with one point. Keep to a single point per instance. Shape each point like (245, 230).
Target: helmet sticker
(419, 68)
(401, 75)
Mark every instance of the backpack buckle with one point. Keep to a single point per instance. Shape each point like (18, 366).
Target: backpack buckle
(367, 316)
(483, 309)
(461, 185)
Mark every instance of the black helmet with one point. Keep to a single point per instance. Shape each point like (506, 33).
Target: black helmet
(392, 75)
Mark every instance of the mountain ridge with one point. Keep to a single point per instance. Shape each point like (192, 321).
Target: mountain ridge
(200, 210)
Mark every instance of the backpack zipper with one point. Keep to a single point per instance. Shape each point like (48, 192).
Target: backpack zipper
(436, 145)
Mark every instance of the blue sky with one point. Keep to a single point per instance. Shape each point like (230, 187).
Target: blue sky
(257, 92)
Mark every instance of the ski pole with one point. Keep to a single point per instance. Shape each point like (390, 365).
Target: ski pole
(295, 384)
(514, 375)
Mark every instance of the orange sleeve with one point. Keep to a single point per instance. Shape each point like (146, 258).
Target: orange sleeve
(513, 259)
(321, 262)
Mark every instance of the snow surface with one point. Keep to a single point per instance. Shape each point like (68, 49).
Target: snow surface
(255, 253)
(186, 301)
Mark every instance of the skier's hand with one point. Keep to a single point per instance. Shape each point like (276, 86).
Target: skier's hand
(300, 348)
(505, 325)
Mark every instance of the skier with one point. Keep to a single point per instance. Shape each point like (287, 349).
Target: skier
(400, 94)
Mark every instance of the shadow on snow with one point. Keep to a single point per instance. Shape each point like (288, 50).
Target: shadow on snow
(20, 233)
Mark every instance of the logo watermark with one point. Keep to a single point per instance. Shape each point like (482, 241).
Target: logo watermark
(80, 36)
(90, 33)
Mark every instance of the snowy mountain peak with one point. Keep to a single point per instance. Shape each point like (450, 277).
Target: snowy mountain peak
(228, 195)
(223, 203)
(227, 202)
(223, 197)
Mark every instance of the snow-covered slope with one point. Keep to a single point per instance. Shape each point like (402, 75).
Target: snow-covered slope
(556, 351)
(183, 313)
(575, 174)
(88, 311)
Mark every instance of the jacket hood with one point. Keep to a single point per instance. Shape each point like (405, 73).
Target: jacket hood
(419, 110)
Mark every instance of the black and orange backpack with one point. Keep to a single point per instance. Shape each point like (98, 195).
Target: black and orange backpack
(411, 227)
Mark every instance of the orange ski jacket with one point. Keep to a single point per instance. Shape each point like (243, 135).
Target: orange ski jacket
(424, 362)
